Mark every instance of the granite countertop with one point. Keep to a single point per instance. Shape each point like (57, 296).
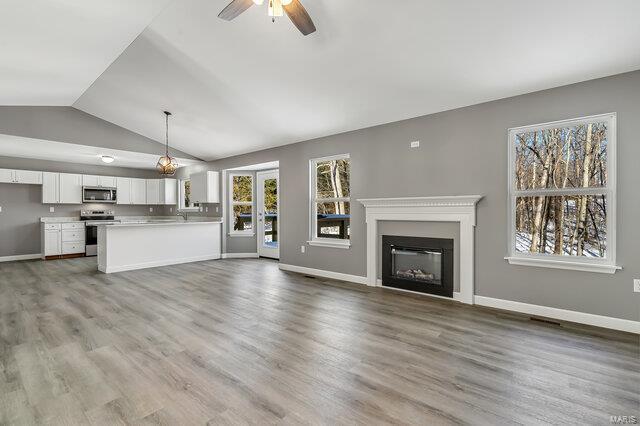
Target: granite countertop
(59, 219)
(164, 222)
(136, 219)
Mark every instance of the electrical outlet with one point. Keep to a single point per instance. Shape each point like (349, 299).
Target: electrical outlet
(52, 209)
(0, 209)
(206, 209)
(636, 285)
(170, 209)
(216, 209)
(302, 248)
(415, 144)
(150, 209)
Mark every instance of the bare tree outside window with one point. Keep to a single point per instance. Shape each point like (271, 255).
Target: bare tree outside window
(331, 198)
(560, 189)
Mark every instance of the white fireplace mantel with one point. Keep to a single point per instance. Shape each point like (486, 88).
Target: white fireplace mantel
(461, 209)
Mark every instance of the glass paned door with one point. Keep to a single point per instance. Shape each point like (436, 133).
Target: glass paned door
(268, 217)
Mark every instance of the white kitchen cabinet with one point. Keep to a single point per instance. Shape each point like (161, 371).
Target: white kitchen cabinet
(205, 187)
(51, 239)
(6, 176)
(153, 191)
(20, 176)
(138, 191)
(50, 188)
(63, 238)
(168, 191)
(28, 177)
(108, 181)
(70, 188)
(99, 181)
(123, 188)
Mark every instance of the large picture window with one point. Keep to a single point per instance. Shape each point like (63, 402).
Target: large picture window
(241, 204)
(562, 193)
(330, 201)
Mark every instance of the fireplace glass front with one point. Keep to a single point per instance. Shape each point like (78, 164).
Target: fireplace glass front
(417, 264)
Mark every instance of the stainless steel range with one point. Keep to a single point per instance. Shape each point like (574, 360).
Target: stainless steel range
(92, 219)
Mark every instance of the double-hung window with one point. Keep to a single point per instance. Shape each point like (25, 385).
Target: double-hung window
(184, 196)
(562, 191)
(241, 204)
(330, 201)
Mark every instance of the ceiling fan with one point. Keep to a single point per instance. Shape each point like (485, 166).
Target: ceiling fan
(293, 8)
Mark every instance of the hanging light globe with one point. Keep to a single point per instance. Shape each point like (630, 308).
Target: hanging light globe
(167, 165)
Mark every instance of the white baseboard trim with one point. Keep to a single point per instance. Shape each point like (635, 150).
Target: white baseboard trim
(324, 274)
(20, 257)
(240, 255)
(560, 314)
(156, 264)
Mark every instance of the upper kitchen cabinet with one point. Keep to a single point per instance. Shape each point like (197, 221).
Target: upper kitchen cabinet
(138, 194)
(20, 176)
(99, 181)
(168, 191)
(50, 188)
(153, 191)
(205, 187)
(123, 188)
(61, 188)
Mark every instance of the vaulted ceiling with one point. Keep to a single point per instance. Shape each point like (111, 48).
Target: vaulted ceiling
(250, 84)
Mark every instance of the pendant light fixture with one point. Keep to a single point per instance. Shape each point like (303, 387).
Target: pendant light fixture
(167, 166)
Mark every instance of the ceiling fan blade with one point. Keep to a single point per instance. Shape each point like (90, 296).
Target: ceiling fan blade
(300, 18)
(235, 8)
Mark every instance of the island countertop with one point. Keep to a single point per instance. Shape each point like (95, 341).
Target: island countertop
(166, 222)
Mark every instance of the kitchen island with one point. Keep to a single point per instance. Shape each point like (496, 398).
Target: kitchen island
(128, 246)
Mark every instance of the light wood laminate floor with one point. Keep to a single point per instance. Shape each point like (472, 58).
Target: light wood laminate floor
(241, 342)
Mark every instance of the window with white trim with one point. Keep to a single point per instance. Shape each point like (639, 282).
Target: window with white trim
(184, 196)
(562, 191)
(330, 201)
(241, 204)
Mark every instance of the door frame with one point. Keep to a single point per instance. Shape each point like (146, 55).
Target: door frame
(261, 176)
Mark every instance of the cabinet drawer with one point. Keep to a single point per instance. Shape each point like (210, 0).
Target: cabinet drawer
(72, 235)
(51, 226)
(73, 225)
(72, 248)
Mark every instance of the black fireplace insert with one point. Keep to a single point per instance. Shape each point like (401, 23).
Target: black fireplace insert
(418, 264)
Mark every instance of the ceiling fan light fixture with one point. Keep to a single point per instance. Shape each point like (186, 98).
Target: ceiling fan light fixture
(275, 8)
(258, 2)
(107, 159)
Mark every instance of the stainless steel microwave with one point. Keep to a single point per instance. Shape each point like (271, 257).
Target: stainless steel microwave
(98, 194)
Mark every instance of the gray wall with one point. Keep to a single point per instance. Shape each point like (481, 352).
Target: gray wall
(464, 152)
(67, 124)
(22, 205)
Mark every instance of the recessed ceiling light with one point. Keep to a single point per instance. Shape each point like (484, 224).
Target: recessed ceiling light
(107, 159)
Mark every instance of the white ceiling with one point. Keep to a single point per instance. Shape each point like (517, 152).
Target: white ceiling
(15, 146)
(53, 50)
(245, 85)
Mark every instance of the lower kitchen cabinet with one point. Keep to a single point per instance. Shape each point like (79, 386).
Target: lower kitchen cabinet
(61, 239)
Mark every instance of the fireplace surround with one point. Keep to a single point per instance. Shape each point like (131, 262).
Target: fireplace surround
(457, 208)
(418, 264)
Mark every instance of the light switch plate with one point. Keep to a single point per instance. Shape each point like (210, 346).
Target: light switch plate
(150, 209)
(170, 209)
(636, 285)
(216, 209)
(302, 248)
(206, 209)
(0, 209)
(415, 144)
(52, 209)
